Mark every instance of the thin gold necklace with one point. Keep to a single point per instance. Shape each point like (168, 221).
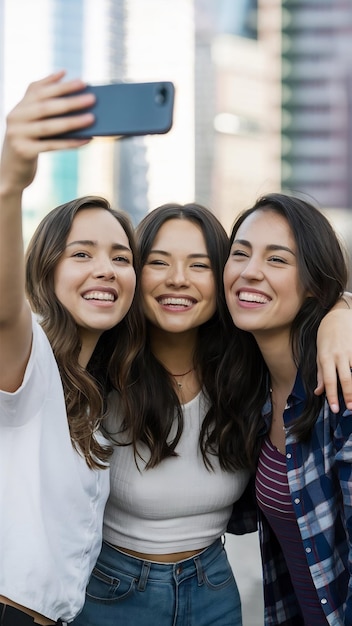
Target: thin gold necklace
(179, 384)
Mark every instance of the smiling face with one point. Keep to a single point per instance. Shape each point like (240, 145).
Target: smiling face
(178, 284)
(95, 278)
(261, 279)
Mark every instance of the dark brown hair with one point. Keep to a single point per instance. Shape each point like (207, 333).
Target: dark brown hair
(323, 274)
(154, 410)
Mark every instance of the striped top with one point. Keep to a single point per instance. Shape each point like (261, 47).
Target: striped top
(274, 500)
(319, 473)
(273, 495)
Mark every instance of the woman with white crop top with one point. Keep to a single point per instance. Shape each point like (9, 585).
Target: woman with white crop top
(80, 283)
(176, 468)
(174, 476)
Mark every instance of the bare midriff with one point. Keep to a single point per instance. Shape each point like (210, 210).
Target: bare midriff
(174, 557)
(38, 618)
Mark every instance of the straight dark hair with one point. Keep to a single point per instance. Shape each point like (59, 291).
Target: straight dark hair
(154, 411)
(323, 274)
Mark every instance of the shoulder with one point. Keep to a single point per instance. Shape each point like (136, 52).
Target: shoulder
(41, 381)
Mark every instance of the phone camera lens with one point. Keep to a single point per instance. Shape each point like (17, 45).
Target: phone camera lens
(161, 95)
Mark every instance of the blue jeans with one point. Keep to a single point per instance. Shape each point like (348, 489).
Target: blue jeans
(126, 591)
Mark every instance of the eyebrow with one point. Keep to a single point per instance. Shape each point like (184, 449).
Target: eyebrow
(90, 242)
(272, 247)
(194, 255)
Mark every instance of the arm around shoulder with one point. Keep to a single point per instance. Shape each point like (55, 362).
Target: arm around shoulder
(334, 355)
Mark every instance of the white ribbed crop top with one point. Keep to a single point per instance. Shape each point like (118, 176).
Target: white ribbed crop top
(178, 505)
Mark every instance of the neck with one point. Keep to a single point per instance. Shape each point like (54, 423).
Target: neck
(89, 341)
(174, 350)
(283, 381)
(278, 357)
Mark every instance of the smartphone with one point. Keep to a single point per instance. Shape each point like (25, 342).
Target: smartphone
(127, 109)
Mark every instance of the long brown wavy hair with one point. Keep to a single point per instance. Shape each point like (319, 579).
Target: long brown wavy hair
(84, 389)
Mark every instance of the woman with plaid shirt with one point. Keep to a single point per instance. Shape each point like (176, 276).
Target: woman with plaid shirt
(286, 269)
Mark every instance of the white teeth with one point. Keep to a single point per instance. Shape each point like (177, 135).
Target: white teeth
(252, 297)
(99, 295)
(176, 301)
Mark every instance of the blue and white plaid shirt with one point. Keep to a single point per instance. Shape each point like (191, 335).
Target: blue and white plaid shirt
(320, 481)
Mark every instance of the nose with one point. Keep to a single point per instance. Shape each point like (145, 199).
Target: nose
(177, 276)
(104, 268)
(253, 269)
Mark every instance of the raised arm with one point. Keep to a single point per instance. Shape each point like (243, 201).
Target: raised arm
(29, 126)
(334, 358)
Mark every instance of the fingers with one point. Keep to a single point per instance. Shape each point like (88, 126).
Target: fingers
(52, 86)
(32, 126)
(345, 378)
(45, 98)
(327, 381)
(45, 112)
(331, 371)
(334, 356)
(39, 136)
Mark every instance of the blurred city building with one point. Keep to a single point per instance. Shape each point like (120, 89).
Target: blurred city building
(316, 88)
(160, 46)
(316, 100)
(238, 102)
(278, 111)
(263, 98)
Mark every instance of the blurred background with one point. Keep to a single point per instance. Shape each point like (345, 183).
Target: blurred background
(263, 103)
(263, 99)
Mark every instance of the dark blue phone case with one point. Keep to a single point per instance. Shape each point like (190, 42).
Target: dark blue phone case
(126, 109)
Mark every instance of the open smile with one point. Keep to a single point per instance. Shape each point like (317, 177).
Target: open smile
(105, 296)
(253, 297)
(176, 301)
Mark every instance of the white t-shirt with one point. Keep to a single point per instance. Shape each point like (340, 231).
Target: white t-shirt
(176, 506)
(51, 503)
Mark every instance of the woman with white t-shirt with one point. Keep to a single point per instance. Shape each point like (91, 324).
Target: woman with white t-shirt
(62, 330)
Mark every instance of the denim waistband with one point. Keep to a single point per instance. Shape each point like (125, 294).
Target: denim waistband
(142, 570)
